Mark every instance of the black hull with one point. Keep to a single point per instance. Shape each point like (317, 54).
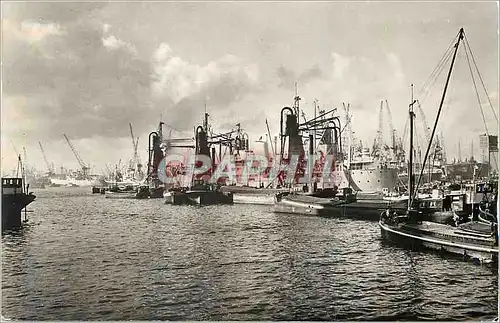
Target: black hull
(199, 198)
(156, 193)
(419, 241)
(12, 205)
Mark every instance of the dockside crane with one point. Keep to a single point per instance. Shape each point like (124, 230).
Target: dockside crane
(437, 151)
(377, 144)
(49, 167)
(397, 142)
(136, 164)
(85, 168)
(427, 129)
(348, 135)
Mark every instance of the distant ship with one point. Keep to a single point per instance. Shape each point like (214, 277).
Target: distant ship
(70, 181)
(369, 174)
(464, 170)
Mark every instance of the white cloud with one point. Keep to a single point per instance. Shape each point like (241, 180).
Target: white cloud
(111, 42)
(34, 32)
(178, 79)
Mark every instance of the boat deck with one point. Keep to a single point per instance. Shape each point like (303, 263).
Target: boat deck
(302, 198)
(448, 232)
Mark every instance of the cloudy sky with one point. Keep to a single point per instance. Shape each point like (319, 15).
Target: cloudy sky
(88, 69)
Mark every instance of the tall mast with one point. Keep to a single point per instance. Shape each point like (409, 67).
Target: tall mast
(314, 130)
(410, 164)
(296, 103)
(460, 37)
(205, 121)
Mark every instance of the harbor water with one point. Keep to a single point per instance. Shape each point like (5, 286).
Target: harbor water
(85, 257)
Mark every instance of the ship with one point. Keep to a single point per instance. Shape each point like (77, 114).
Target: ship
(464, 170)
(370, 175)
(320, 133)
(373, 173)
(200, 190)
(15, 198)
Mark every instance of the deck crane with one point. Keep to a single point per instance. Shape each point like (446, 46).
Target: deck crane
(436, 146)
(135, 144)
(348, 127)
(397, 143)
(49, 167)
(377, 144)
(427, 129)
(84, 167)
(392, 130)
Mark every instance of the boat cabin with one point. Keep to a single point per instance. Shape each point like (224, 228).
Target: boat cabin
(12, 185)
(450, 202)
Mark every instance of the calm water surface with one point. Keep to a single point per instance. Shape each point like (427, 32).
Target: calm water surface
(85, 257)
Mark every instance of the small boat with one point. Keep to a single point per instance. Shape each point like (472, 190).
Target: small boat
(336, 205)
(199, 194)
(474, 240)
(141, 192)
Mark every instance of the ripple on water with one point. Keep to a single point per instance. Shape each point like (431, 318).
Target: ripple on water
(84, 257)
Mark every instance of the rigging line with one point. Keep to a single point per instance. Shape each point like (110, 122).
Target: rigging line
(480, 78)
(477, 93)
(440, 62)
(461, 32)
(429, 88)
(439, 65)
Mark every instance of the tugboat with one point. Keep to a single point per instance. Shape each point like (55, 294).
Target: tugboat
(15, 198)
(474, 239)
(200, 193)
(139, 192)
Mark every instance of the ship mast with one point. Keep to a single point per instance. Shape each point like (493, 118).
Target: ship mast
(460, 37)
(410, 162)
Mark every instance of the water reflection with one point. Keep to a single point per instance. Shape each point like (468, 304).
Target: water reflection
(93, 258)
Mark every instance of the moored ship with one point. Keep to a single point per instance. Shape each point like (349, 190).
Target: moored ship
(370, 175)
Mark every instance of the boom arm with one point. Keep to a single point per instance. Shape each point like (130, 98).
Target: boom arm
(45, 157)
(78, 158)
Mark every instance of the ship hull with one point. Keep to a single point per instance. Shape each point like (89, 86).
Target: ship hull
(12, 205)
(434, 237)
(198, 198)
(373, 180)
(326, 207)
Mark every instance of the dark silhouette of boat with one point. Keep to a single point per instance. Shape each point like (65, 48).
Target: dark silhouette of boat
(15, 198)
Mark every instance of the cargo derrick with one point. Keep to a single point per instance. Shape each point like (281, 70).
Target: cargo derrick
(326, 128)
(206, 144)
(295, 145)
(155, 155)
